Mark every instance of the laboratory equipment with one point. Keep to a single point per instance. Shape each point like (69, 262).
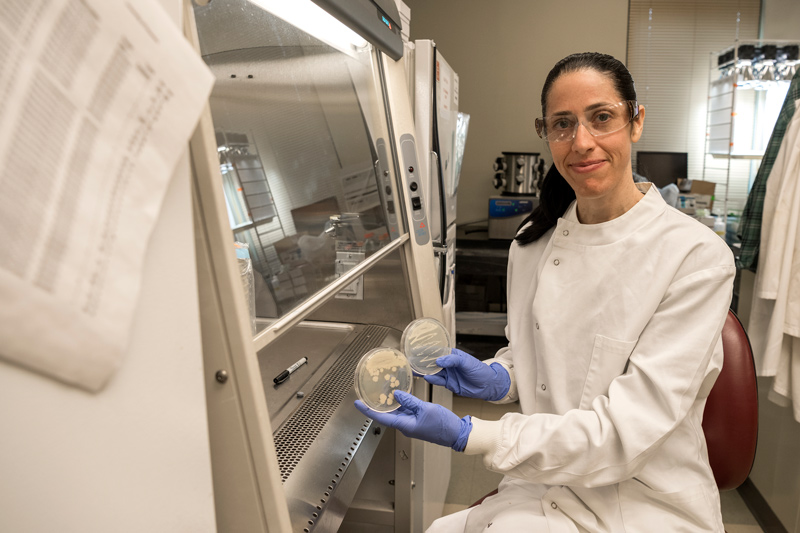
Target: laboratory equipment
(506, 213)
(747, 84)
(520, 176)
(308, 155)
(380, 373)
(423, 341)
(434, 86)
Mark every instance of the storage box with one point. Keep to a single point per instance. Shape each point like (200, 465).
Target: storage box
(692, 203)
(287, 249)
(700, 198)
(704, 189)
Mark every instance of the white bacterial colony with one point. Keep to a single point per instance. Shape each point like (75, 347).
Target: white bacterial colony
(383, 398)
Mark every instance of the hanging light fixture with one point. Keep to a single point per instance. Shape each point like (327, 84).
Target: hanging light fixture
(758, 67)
(745, 73)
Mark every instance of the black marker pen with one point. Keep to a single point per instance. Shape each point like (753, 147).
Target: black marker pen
(280, 378)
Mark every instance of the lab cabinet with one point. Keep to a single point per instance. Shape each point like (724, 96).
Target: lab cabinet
(306, 155)
(481, 304)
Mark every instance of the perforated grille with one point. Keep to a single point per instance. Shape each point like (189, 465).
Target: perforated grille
(294, 438)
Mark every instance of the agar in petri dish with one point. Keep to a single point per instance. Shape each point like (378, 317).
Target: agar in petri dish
(379, 373)
(424, 340)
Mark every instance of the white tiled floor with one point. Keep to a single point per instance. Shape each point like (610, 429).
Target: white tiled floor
(469, 480)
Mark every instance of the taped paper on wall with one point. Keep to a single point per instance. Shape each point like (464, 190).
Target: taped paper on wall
(99, 100)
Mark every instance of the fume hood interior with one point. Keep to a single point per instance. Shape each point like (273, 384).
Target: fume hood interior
(314, 169)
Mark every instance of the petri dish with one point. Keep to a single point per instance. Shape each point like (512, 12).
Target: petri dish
(379, 373)
(423, 341)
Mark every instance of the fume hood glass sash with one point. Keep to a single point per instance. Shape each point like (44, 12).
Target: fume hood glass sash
(309, 120)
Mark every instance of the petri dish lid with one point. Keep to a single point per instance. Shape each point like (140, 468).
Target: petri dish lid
(423, 341)
(379, 373)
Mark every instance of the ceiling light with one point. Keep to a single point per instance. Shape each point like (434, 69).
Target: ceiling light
(315, 21)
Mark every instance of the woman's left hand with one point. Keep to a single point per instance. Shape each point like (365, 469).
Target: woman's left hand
(470, 377)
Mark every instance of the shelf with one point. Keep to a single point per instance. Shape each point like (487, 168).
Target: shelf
(737, 156)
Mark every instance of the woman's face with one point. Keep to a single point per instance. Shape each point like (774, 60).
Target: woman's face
(597, 168)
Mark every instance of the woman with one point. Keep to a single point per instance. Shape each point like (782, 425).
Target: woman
(615, 307)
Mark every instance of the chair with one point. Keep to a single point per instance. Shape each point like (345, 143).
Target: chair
(730, 419)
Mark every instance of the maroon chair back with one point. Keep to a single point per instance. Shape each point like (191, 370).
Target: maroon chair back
(730, 420)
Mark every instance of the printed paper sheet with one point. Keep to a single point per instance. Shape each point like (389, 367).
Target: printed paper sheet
(99, 98)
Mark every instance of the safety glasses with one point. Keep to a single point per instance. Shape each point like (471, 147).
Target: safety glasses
(598, 120)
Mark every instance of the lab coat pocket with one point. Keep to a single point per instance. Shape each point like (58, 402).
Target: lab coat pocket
(609, 357)
(688, 510)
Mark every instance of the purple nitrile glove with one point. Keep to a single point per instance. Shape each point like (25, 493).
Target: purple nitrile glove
(423, 420)
(467, 376)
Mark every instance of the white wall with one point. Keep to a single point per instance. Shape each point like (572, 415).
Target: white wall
(502, 52)
(135, 456)
(780, 19)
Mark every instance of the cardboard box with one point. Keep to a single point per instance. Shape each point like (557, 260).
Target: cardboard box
(692, 203)
(700, 197)
(686, 204)
(704, 189)
(287, 249)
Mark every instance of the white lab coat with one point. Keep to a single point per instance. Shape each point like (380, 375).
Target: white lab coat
(774, 326)
(614, 344)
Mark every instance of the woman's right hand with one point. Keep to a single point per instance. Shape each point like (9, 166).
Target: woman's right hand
(467, 376)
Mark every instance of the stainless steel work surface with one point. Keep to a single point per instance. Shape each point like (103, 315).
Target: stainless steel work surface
(320, 342)
(322, 486)
(325, 445)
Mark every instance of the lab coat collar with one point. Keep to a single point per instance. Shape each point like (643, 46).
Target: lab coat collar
(645, 210)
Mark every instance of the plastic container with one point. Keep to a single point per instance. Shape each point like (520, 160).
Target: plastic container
(248, 280)
(423, 341)
(719, 227)
(380, 373)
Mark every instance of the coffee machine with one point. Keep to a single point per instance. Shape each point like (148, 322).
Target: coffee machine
(520, 176)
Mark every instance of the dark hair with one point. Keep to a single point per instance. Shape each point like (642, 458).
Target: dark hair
(556, 194)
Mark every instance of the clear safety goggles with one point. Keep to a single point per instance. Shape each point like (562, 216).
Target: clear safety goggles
(599, 121)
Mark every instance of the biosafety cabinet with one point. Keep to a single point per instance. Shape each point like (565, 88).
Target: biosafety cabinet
(312, 242)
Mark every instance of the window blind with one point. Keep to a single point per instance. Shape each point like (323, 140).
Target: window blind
(670, 45)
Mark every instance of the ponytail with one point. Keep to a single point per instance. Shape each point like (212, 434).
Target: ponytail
(555, 198)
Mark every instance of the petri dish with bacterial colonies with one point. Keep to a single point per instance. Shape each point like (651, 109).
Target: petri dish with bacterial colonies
(380, 373)
(423, 341)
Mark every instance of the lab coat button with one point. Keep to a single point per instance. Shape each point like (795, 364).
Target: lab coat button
(544, 387)
(553, 505)
(556, 262)
(537, 325)
(566, 232)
